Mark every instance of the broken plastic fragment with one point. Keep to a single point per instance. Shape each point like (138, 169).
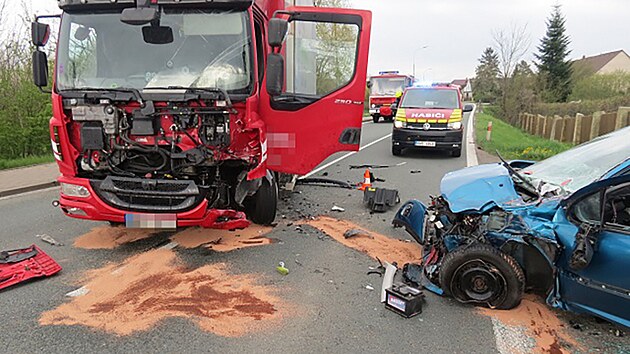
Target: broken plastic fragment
(338, 208)
(48, 239)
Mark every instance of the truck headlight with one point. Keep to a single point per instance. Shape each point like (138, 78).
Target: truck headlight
(373, 106)
(399, 124)
(73, 190)
(455, 125)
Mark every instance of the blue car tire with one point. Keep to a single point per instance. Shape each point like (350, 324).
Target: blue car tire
(482, 275)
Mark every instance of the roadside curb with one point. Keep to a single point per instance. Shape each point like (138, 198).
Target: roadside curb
(471, 148)
(26, 189)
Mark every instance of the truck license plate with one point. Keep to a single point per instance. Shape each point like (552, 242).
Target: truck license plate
(425, 143)
(151, 221)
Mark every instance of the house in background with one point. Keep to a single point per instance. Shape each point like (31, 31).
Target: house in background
(466, 88)
(603, 64)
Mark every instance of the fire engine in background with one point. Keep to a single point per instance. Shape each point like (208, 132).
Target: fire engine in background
(430, 116)
(177, 113)
(383, 90)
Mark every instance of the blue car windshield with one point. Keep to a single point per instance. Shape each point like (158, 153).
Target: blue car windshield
(584, 164)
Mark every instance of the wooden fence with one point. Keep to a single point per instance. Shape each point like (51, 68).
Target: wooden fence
(575, 130)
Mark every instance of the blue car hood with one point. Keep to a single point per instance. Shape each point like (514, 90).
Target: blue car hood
(479, 188)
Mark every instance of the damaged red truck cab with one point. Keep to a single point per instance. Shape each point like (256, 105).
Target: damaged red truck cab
(185, 113)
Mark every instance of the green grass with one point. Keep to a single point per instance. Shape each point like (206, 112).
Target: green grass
(512, 142)
(25, 161)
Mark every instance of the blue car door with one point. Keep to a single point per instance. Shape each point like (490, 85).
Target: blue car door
(595, 278)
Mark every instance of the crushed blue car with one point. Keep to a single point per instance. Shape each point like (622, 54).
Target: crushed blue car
(559, 227)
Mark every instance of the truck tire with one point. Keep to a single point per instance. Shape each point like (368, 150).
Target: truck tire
(375, 118)
(261, 207)
(482, 275)
(457, 152)
(396, 150)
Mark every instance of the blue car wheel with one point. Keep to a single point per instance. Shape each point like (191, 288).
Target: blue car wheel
(482, 275)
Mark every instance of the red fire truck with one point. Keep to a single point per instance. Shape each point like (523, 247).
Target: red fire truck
(383, 89)
(186, 112)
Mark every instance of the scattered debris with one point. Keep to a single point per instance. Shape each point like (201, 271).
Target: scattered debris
(369, 287)
(356, 232)
(153, 286)
(48, 239)
(23, 264)
(325, 174)
(337, 208)
(107, 237)
(412, 274)
(299, 263)
(415, 171)
(388, 279)
(404, 300)
(378, 246)
(282, 269)
(326, 182)
(223, 240)
(380, 199)
(357, 167)
(79, 292)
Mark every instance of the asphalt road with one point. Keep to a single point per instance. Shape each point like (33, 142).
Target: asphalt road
(334, 312)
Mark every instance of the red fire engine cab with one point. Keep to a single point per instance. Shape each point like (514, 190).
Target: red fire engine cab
(383, 89)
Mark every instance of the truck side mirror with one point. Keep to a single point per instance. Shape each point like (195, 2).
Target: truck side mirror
(369, 84)
(40, 33)
(40, 69)
(277, 32)
(468, 108)
(275, 74)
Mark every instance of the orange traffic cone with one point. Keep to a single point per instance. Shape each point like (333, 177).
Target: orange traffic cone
(367, 180)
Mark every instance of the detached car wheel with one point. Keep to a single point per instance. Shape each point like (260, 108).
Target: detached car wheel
(482, 275)
(261, 207)
(396, 150)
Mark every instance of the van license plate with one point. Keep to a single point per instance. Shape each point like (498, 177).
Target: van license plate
(425, 143)
(151, 221)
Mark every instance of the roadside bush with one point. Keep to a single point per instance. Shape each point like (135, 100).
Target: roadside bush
(601, 86)
(585, 106)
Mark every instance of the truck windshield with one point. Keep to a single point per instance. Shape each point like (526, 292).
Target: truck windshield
(430, 98)
(209, 49)
(387, 86)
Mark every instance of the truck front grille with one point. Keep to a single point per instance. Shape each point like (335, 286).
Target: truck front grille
(148, 195)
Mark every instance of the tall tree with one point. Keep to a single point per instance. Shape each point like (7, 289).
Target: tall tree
(553, 66)
(486, 76)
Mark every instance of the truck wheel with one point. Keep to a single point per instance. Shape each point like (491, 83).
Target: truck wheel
(261, 207)
(482, 275)
(457, 152)
(375, 118)
(396, 150)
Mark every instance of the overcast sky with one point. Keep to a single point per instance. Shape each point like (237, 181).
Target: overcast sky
(457, 31)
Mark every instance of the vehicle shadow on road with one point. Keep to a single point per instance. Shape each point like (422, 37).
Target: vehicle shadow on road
(427, 154)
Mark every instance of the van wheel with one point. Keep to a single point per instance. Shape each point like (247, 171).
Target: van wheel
(375, 118)
(396, 150)
(261, 207)
(457, 152)
(482, 275)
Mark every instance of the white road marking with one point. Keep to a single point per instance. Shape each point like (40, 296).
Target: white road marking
(346, 156)
(471, 148)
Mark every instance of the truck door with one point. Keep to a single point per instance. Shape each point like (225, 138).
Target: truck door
(317, 107)
(602, 287)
